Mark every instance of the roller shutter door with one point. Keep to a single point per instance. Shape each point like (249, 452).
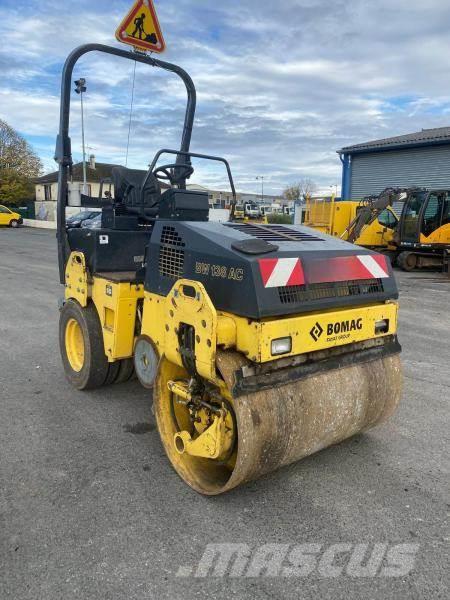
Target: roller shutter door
(422, 167)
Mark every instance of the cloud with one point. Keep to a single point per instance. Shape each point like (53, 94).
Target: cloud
(280, 85)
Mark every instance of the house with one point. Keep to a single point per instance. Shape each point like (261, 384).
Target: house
(47, 186)
(420, 159)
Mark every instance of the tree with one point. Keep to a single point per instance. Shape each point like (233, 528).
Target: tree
(14, 188)
(18, 165)
(300, 190)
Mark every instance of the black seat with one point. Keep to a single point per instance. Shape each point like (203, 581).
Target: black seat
(128, 188)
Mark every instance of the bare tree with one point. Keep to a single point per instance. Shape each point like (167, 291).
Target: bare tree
(300, 190)
(18, 165)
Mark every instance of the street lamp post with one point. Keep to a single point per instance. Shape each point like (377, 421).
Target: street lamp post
(261, 177)
(335, 186)
(80, 89)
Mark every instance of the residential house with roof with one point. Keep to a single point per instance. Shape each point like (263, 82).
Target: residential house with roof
(46, 187)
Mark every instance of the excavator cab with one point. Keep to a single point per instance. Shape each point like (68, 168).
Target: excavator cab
(423, 234)
(423, 214)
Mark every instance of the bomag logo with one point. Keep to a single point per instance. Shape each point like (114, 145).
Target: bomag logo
(316, 332)
(344, 326)
(340, 330)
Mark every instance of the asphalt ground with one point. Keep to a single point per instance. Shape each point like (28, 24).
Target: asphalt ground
(90, 507)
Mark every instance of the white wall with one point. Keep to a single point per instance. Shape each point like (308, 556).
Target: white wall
(46, 210)
(40, 193)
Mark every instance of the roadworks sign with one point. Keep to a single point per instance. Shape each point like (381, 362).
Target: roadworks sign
(141, 29)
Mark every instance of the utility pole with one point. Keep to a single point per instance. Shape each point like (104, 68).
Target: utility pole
(80, 89)
(261, 177)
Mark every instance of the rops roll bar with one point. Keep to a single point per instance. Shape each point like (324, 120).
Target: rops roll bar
(63, 152)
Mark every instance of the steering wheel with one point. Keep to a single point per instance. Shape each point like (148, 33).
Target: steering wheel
(167, 172)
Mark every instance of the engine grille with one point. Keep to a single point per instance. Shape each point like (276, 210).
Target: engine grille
(170, 236)
(171, 254)
(274, 233)
(320, 291)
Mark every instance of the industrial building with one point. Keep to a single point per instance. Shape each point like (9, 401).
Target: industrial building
(419, 159)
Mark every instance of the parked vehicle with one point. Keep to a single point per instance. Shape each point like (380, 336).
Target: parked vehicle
(422, 238)
(269, 209)
(78, 219)
(369, 222)
(289, 210)
(251, 210)
(9, 218)
(411, 225)
(93, 223)
(247, 210)
(239, 211)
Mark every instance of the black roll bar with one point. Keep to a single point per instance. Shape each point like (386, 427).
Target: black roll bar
(63, 152)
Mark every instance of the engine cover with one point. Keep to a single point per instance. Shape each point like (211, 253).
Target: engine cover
(292, 270)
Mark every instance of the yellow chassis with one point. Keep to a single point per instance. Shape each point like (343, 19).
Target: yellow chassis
(188, 302)
(125, 311)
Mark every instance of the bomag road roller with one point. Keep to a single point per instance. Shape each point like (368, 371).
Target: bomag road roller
(262, 343)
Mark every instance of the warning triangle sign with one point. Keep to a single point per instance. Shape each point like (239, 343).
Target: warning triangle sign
(141, 29)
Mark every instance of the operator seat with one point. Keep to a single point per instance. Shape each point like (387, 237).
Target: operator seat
(128, 187)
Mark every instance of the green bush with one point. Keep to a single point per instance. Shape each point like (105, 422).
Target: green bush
(279, 219)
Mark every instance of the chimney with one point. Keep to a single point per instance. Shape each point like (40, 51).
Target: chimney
(92, 161)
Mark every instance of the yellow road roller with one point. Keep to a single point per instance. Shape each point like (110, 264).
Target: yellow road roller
(262, 343)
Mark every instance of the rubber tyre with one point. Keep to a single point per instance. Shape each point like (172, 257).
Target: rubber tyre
(95, 368)
(14, 223)
(126, 370)
(113, 371)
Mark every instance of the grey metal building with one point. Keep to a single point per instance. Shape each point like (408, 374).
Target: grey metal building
(417, 159)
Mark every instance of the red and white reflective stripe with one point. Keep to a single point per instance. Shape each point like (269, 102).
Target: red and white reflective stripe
(375, 265)
(285, 272)
(347, 268)
(281, 272)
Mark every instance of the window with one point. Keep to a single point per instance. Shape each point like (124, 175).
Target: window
(48, 192)
(411, 210)
(446, 211)
(387, 219)
(4, 210)
(432, 214)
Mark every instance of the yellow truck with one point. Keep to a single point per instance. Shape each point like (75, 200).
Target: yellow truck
(9, 218)
(340, 218)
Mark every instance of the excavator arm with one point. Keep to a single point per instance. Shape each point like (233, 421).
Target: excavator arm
(371, 208)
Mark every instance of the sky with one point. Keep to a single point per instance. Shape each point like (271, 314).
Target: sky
(281, 85)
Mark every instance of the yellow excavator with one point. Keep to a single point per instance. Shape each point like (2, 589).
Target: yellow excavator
(422, 238)
(262, 343)
(370, 222)
(410, 225)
